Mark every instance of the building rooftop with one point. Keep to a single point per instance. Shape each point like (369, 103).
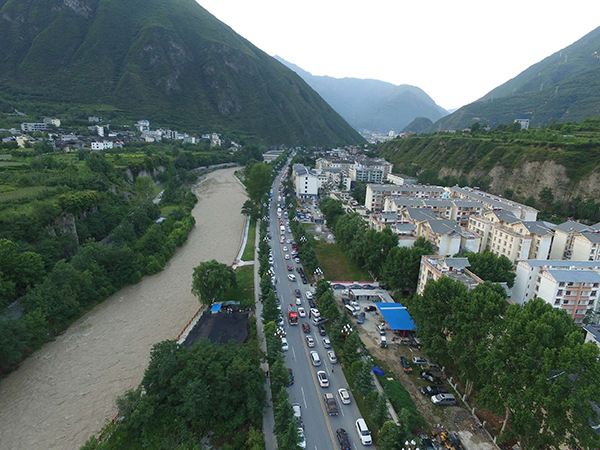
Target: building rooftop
(396, 316)
(592, 236)
(539, 227)
(576, 276)
(570, 226)
(594, 330)
(444, 226)
(572, 265)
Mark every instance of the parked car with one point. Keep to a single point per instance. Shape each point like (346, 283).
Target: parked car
(290, 268)
(430, 377)
(291, 374)
(301, 312)
(286, 256)
(433, 390)
(284, 345)
(310, 341)
(363, 432)
(343, 439)
(326, 343)
(312, 304)
(405, 365)
(344, 396)
(314, 357)
(309, 295)
(305, 327)
(322, 377)
(291, 277)
(419, 361)
(443, 399)
(297, 260)
(297, 293)
(322, 330)
(370, 308)
(285, 249)
(301, 438)
(304, 280)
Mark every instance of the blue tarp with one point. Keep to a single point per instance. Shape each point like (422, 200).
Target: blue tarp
(216, 307)
(396, 316)
(377, 371)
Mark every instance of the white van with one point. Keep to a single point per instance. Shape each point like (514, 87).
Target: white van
(350, 310)
(315, 359)
(363, 432)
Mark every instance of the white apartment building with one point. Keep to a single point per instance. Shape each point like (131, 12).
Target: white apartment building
(33, 127)
(586, 245)
(306, 182)
(494, 202)
(52, 121)
(377, 193)
(455, 209)
(401, 180)
(564, 236)
(366, 174)
(575, 291)
(504, 234)
(523, 122)
(436, 267)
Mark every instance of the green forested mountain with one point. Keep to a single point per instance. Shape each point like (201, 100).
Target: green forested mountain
(372, 105)
(419, 125)
(563, 87)
(169, 61)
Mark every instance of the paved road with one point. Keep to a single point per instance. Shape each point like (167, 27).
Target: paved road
(319, 426)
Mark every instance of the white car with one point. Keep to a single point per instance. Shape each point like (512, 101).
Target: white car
(284, 345)
(298, 301)
(292, 277)
(309, 295)
(302, 438)
(344, 396)
(301, 312)
(326, 343)
(285, 249)
(286, 256)
(322, 377)
(297, 260)
(332, 357)
(289, 241)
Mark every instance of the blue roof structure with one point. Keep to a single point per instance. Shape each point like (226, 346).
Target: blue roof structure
(216, 307)
(396, 316)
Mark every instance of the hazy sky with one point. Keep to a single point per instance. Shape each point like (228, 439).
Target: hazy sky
(456, 51)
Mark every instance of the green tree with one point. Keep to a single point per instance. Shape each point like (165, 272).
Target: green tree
(144, 188)
(258, 181)
(363, 380)
(491, 267)
(248, 208)
(379, 409)
(270, 313)
(332, 209)
(390, 437)
(279, 375)
(359, 192)
(546, 196)
(210, 280)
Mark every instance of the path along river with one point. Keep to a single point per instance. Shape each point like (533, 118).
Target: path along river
(66, 391)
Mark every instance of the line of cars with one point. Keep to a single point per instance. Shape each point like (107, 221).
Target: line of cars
(437, 393)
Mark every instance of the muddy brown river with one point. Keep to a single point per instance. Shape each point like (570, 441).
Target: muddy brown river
(66, 391)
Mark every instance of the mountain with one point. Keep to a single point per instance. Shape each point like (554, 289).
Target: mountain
(564, 87)
(169, 61)
(419, 125)
(372, 105)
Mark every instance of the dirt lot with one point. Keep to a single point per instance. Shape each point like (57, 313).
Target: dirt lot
(452, 418)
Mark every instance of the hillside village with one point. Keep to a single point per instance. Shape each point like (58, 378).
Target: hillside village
(100, 136)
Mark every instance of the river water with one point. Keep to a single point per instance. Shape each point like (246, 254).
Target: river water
(66, 391)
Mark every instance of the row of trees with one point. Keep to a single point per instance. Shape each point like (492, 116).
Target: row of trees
(376, 251)
(528, 363)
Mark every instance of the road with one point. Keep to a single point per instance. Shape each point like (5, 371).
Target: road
(319, 426)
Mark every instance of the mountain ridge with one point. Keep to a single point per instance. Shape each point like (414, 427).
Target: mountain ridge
(562, 87)
(369, 104)
(170, 61)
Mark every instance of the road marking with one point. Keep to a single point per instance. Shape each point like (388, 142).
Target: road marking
(304, 397)
(294, 352)
(342, 410)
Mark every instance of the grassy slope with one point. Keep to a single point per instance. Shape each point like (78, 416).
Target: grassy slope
(248, 254)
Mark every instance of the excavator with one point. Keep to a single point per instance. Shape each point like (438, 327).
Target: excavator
(449, 440)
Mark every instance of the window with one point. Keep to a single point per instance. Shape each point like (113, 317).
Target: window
(568, 293)
(560, 292)
(557, 301)
(593, 293)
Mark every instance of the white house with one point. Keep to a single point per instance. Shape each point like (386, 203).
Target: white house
(103, 145)
(306, 182)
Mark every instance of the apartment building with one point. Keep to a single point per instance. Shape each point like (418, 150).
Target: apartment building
(455, 209)
(306, 182)
(564, 236)
(33, 127)
(366, 174)
(529, 276)
(401, 180)
(446, 236)
(586, 245)
(377, 193)
(494, 202)
(503, 233)
(436, 267)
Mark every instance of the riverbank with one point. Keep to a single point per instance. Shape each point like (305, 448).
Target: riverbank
(67, 390)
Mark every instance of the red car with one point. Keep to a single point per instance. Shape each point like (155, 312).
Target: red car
(290, 268)
(305, 327)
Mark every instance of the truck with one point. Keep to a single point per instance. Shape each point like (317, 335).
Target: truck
(292, 315)
(330, 404)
